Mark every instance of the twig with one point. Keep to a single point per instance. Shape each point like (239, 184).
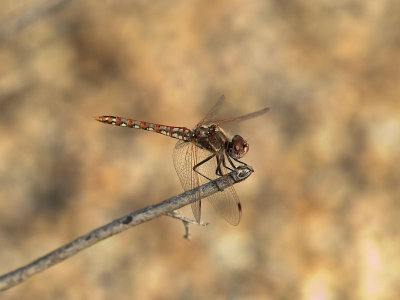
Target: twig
(186, 221)
(143, 215)
(177, 215)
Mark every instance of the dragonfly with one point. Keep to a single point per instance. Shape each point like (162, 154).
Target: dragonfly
(202, 154)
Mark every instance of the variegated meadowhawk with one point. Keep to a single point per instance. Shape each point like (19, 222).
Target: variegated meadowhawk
(202, 154)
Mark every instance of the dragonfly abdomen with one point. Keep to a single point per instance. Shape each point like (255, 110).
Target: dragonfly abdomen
(181, 133)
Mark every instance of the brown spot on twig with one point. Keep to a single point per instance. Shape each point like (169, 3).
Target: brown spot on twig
(127, 220)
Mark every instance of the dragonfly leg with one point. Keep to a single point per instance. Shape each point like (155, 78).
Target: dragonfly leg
(218, 171)
(225, 165)
(202, 162)
(231, 162)
(240, 162)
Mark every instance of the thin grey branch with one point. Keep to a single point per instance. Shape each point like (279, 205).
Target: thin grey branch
(177, 215)
(143, 215)
(186, 221)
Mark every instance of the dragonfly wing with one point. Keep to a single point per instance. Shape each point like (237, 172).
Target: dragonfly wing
(226, 202)
(213, 111)
(184, 157)
(244, 117)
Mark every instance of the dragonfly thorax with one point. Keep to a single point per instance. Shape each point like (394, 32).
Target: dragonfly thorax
(210, 137)
(204, 131)
(238, 147)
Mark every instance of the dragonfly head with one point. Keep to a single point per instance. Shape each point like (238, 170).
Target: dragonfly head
(238, 147)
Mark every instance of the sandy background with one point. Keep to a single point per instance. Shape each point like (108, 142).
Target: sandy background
(320, 213)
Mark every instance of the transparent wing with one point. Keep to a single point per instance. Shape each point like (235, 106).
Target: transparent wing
(244, 117)
(213, 111)
(226, 202)
(184, 157)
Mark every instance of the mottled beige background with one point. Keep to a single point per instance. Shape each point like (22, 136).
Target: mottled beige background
(321, 213)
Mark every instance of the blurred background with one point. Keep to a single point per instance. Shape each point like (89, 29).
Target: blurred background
(320, 213)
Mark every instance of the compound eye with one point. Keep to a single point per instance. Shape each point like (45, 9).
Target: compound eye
(245, 147)
(240, 147)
